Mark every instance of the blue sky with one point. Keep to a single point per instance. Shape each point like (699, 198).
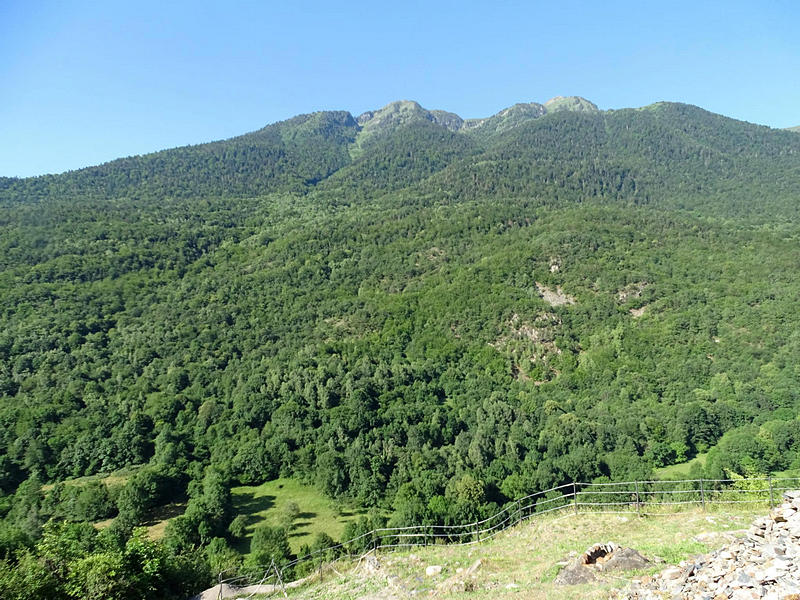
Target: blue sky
(86, 82)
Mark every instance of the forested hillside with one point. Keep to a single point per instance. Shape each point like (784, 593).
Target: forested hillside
(418, 314)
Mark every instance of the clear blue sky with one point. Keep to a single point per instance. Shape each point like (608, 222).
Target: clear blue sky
(85, 82)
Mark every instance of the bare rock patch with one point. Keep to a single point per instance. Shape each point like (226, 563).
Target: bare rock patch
(554, 298)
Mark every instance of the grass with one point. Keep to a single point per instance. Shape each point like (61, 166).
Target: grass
(523, 561)
(160, 516)
(268, 503)
(681, 470)
(156, 520)
(115, 479)
(265, 503)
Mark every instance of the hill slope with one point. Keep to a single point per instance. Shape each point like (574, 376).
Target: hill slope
(284, 156)
(419, 314)
(524, 561)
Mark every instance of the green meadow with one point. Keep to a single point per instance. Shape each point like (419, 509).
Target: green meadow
(271, 503)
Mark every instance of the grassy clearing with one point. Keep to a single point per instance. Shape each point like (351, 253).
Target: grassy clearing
(524, 561)
(156, 520)
(115, 479)
(681, 470)
(268, 503)
(160, 516)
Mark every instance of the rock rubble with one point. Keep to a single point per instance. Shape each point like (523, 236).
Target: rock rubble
(765, 564)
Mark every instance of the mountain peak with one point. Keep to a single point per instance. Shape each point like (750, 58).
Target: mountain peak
(401, 112)
(398, 114)
(508, 117)
(570, 103)
(519, 113)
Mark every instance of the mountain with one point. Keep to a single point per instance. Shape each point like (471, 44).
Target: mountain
(793, 128)
(289, 155)
(507, 118)
(416, 314)
(571, 104)
(404, 144)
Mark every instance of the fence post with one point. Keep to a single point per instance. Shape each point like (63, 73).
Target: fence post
(638, 509)
(702, 495)
(575, 496)
(771, 498)
(280, 579)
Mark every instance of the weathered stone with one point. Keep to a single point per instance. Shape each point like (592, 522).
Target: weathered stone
(672, 573)
(474, 567)
(575, 574)
(624, 559)
(433, 570)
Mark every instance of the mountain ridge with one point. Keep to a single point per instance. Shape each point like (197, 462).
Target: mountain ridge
(318, 151)
(444, 118)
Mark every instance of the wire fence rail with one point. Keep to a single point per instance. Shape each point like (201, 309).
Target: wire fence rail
(643, 498)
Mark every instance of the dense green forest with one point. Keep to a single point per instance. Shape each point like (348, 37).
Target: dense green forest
(420, 315)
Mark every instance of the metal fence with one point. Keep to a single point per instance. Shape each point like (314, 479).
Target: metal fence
(643, 498)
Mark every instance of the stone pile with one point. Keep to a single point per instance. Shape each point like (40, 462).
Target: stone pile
(763, 565)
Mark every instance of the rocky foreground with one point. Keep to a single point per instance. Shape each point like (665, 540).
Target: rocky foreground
(763, 565)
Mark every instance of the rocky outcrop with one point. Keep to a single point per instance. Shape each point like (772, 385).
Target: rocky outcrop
(506, 119)
(598, 559)
(570, 103)
(763, 565)
(403, 112)
(447, 120)
(376, 124)
(554, 298)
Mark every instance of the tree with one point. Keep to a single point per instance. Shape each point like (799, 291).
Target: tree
(269, 544)
(98, 577)
(289, 513)
(238, 527)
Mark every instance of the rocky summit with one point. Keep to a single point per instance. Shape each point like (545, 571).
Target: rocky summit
(765, 564)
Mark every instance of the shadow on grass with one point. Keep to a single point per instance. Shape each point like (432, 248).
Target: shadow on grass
(162, 513)
(250, 506)
(242, 545)
(351, 512)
